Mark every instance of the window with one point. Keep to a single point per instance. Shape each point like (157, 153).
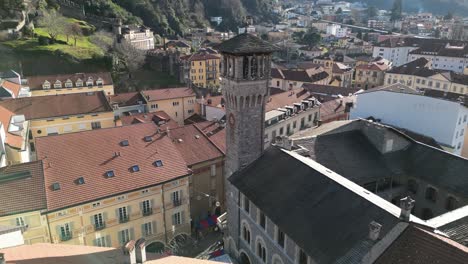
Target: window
(96, 204)
(262, 219)
(261, 251)
(135, 168)
(122, 213)
(412, 186)
(68, 84)
(280, 238)
(178, 218)
(100, 242)
(146, 207)
(451, 203)
(147, 229)
(65, 232)
(20, 221)
(176, 198)
(80, 181)
(310, 117)
(110, 174)
(281, 131)
(58, 84)
(124, 236)
(95, 125)
(431, 194)
(302, 257)
(79, 83)
(277, 83)
(56, 186)
(246, 234)
(246, 204)
(175, 103)
(213, 170)
(98, 221)
(158, 163)
(154, 106)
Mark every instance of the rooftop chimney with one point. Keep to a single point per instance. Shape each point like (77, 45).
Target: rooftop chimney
(374, 230)
(406, 205)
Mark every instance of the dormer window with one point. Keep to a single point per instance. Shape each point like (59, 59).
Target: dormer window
(79, 83)
(99, 82)
(68, 84)
(58, 84)
(90, 82)
(46, 85)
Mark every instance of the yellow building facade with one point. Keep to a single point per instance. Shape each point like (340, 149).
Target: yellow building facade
(203, 69)
(35, 226)
(434, 82)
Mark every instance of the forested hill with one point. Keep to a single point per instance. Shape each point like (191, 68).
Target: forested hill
(169, 17)
(438, 7)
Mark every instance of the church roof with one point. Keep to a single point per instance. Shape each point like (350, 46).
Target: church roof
(246, 44)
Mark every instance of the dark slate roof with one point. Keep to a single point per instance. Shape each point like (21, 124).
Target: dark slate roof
(457, 230)
(418, 246)
(321, 215)
(462, 99)
(420, 138)
(319, 89)
(413, 68)
(246, 44)
(22, 188)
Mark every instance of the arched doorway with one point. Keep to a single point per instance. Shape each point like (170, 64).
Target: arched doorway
(244, 259)
(156, 247)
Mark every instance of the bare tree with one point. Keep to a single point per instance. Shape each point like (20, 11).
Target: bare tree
(53, 23)
(75, 31)
(132, 58)
(103, 39)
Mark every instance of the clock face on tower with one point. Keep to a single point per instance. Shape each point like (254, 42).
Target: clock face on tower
(232, 120)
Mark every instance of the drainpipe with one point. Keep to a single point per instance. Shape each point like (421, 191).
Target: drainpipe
(164, 213)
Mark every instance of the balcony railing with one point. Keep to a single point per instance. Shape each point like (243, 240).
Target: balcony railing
(65, 237)
(176, 203)
(124, 219)
(147, 212)
(100, 226)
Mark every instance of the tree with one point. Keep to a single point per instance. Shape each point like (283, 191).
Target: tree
(339, 11)
(311, 38)
(396, 10)
(53, 23)
(132, 58)
(359, 35)
(75, 31)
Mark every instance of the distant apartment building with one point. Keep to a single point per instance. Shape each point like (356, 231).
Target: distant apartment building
(127, 103)
(442, 117)
(337, 31)
(371, 75)
(178, 103)
(178, 45)
(202, 69)
(128, 187)
(287, 79)
(140, 37)
(420, 76)
(451, 56)
(70, 83)
(395, 49)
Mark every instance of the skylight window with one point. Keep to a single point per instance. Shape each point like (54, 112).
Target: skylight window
(148, 139)
(124, 143)
(158, 163)
(80, 181)
(110, 174)
(135, 168)
(56, 186)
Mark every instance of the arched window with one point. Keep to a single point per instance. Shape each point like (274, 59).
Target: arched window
(451, 203)
(261, 251)
(246, 233)
(253, 67)
(412, 186)
(431, 194)
(245, 67)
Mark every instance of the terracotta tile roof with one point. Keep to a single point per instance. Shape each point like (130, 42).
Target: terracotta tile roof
(193, 144)
(10, 138)
(45, 253)
(310, 75)
(245, 44)
(90, 154)
(169, 93)
(215, 133)
(58, 105)
(126, 99)
(215, 101)
(286, 98)
(418, 246)
(35, 82)
(329, 110)
(160, 118)
(373, 67)
(22, 188)
(11, 86)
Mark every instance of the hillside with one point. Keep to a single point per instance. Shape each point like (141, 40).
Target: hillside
(439, 7)
(170, 17)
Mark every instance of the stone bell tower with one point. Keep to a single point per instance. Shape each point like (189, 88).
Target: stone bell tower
(246, 66)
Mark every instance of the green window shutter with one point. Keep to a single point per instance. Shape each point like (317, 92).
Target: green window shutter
(120, 238)
(143, 230)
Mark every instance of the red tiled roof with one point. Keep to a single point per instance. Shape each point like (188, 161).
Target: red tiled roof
(22, 188)
(11, 86)
(215, 132)
(329, 110)
(160, 118)
(126, 99)
(373, 67)
(418, 246)
(58, 105)
(35, 82)
(215, 101)
(286, 98)
(169, 93)
(90, 154)
(193, 144)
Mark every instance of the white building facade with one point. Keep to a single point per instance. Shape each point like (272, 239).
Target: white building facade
(397, 55)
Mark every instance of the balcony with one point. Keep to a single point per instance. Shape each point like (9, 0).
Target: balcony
(176, 203)
(65, 237)
(147, 212)
(124, 219)
(100, 226)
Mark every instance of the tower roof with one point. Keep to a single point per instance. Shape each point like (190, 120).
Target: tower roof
(245, 44)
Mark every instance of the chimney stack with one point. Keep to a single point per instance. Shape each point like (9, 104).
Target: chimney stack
(406, 205)
(141, 250)
(374, 230)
